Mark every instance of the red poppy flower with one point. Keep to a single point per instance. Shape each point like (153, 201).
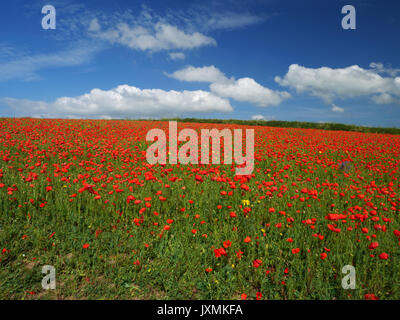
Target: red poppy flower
(373, 245)
(370, 296)
(257, 263)
(227, 243)
(383, 256)
(219, 252)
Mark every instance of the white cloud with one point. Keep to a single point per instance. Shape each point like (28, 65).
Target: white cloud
(243, 89)
(385, 98)
(7, 51)
(248, 90)
(231, 20)
(94, 25)
(211, 16)
(257, 117)
(201, 74)
(328, 83)
(209, 21)
(143, 29)
(177, 55)
(160, 36)
(124, 101)
(380, 68)
(26, 67)
(176, 29)
(335, 108)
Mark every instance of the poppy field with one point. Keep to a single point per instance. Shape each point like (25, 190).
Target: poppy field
(79, 195)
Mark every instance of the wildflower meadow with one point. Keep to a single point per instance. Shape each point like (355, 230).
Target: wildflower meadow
(80, 196)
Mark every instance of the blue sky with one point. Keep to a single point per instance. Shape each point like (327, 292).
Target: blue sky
(282, 60)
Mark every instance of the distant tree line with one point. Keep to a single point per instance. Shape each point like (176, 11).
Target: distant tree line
(292, 124)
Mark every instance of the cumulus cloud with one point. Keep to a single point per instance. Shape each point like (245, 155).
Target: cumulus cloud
(328, 83)
(257, 117)
(248, 90)
(144, 30)
(335, 108)
(243, 89)
(201, 74)
(385, 98)
(160, 36)
(123, 101)
(148, 30)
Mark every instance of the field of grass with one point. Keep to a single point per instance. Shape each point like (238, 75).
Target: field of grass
(79, 195)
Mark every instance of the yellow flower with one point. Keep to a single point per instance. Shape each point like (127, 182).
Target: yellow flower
(233, 265)
(246, 202)
(262, 230)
